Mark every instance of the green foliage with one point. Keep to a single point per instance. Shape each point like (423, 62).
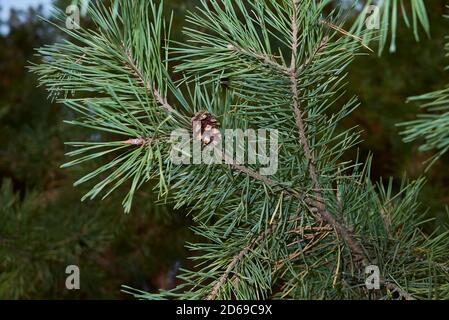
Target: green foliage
(307, 231)
(390, 12)
(125, 108)
(43, 233)
(433, 125)
(413, 13)
(383, 85)
(44, 226)
(29, 264)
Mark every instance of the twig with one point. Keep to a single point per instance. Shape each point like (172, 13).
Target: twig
(163, 101)
(216, 288)
(317, 50)
(80, 58)
(324, 215)
(395, 288)
(264, 179)
(259, 56)
(353, 244)
(346, 33)
(142, 80)
(141, 141)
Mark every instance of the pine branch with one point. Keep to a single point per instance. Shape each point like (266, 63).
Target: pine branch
(261, 57)
(325, 215)
(303, 140)
(139, 141)
(317, 203)
(430, 129)
(387, 14)
(236, 260)
(395, 288)
(262, 92)
(152, 90)
(258, 177)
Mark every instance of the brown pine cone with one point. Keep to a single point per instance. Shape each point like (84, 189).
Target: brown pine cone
(205, 128)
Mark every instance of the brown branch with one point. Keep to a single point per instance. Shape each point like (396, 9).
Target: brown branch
(323, 213)
(346, 33)
(395, 288)
(321, 233)
(302, 230)
(142, 141)
(149, 87)
(353, 244)
(261, 57)
(237, 258)
(264, 179)
(163, 101)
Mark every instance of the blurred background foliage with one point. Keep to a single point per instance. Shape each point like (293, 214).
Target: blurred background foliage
(383, 85)
(44, 227)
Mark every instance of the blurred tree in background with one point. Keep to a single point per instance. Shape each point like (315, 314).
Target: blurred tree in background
(44, 227)
(384, 84)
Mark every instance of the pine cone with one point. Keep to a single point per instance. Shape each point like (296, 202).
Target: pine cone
(205, 128)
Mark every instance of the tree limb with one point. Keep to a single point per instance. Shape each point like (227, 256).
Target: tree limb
(323, 213)
(261, 57)
(237, 258)
(142, 80)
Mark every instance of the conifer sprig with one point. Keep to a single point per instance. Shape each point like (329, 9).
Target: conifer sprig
(385, 16)
(432, 127)
(306, 231)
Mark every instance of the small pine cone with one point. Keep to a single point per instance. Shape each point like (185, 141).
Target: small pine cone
(205, 128)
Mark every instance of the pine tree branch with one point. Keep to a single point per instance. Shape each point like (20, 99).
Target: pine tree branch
(320, 232)
(324, 215)
(163, 101)
(317, 50)
(327, 212)
(235, 261)
(346, 33)
(261, 57)
(151, 89)
(395, 288)
(144, 141)
(318, 203)
(264, 179)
